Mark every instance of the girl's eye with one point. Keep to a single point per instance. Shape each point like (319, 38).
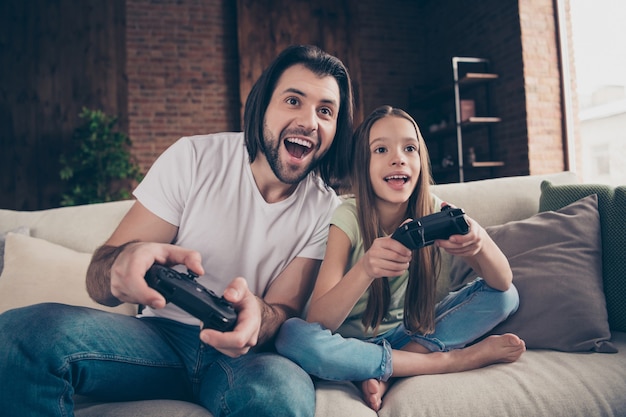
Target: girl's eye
(411, 148)
(380, 149)
(292, 100)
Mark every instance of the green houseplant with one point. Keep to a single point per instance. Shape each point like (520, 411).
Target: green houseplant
(99, 167)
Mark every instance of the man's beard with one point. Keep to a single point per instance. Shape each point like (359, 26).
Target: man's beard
(283, 172)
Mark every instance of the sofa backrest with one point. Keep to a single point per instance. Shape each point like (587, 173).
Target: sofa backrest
(84, 228)
(500, 200)
(81, 228)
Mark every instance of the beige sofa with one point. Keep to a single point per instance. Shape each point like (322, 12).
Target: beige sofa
(46, 258)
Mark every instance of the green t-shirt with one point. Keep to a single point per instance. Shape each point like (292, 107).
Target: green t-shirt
(345, 218)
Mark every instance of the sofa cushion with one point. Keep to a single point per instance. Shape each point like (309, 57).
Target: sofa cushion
(492, 202)
(557, 269)
(23, 230)
(81, 228)
(499, 200)
(38, 271)
(540, 383)
(611, 203)
(154, 408)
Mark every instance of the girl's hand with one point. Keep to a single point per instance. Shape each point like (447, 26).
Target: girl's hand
(482, 254)
(466, 245)
(386, 258)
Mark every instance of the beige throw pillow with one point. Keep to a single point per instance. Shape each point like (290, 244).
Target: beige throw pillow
(37, 271)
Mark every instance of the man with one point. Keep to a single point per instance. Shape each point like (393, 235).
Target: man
(249, 213)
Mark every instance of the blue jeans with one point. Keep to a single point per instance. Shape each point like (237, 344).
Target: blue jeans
(461, 318)
(49, 352)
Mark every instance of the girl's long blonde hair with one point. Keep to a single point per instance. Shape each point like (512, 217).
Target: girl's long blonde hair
(419, 302)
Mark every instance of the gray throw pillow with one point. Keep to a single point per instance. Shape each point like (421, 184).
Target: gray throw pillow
(556, 258)
(611, 204)
(22, 230)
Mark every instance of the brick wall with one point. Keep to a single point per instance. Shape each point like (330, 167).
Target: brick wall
(519, 38)
(542, 86)
(391, 52)
(170, 68)
(488, 29)
(182, 69)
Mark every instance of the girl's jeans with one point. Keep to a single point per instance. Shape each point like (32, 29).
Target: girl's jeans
(461, 318)
(49, 352)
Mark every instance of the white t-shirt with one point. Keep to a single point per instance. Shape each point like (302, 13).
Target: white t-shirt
(204, 186)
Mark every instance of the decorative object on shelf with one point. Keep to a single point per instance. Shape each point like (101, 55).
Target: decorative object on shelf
(468, 110)
(471, 155)
(447, 161)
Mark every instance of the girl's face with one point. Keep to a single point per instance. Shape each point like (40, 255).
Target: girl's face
(394, 159)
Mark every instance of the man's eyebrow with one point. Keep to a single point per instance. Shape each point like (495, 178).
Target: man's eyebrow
(295, 91)
(301, 93)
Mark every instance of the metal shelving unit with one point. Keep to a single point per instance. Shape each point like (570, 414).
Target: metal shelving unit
(462, 81)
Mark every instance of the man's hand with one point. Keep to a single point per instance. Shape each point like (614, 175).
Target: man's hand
(245, 335)
(128, 271)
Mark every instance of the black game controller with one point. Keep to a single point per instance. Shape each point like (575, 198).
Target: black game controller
(424, 231)
(183, 290)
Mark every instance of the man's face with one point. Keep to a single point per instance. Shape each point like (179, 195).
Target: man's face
(300, 122)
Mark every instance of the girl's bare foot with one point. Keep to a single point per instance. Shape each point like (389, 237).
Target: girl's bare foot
(373, 391)
(493, 349)
(504, 348)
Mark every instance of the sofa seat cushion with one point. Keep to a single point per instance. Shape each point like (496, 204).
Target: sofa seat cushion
(36, 271)
(540, 383)
(333, 399)
(153, 408)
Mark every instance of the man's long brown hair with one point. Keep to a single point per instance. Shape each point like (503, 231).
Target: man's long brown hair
(419, 302)
(332, 167)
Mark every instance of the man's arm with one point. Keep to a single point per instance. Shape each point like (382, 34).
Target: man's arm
(259, 319)
(99, 274)
(117, 269)
(288, 295)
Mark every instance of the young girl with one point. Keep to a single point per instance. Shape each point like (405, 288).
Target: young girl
(373, 313)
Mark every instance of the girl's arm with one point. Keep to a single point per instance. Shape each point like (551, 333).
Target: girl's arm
(335, 294)
(482, 254)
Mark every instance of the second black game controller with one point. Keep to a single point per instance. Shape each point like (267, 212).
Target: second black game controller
(424, 231)
(184, 291)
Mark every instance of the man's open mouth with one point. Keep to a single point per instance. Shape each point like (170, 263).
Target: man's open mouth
(298, 148)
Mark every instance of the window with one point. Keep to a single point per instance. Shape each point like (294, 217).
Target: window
(599, 45)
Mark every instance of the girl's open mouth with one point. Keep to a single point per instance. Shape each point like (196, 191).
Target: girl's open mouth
(397, 180)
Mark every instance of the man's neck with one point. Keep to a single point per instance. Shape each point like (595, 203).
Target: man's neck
(271, 188)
